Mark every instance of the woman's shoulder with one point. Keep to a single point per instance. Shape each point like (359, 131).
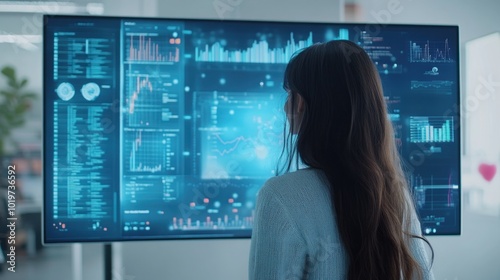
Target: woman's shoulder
(305, 196)
(296, 177)
(298, 183)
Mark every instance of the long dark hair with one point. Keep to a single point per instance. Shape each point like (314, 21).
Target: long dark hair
(344, 131)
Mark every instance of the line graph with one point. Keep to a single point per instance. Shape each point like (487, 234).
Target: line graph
(430, 51)
(233, 143)
(142, 85)
(432, 87)
(142, 160)
(151, 102)
(150, 151)
(240, 134)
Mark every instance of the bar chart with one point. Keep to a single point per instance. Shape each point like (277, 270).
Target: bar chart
(431, 129)
(430, 51)
(232, 221)
(153, 48)
(259, 52)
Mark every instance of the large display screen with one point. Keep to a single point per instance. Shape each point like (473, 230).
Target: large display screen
(167, 128)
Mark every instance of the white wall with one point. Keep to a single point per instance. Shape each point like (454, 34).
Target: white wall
(291, 10)
(137, 8)
(482, 76)
(28, 61)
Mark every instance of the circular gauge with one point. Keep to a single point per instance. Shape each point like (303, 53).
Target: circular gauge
(65, 91)
(90, 91)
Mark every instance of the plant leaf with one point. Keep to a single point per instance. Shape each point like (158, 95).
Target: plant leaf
(13, 84)
(9, 72)
(29, 95)
(17, 122)
(23, 83)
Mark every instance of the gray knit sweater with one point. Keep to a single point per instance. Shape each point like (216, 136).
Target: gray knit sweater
(295, 234)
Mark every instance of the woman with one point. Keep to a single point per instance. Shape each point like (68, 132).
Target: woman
(349, 214)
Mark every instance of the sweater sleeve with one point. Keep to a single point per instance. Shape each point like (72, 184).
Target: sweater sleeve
(418, 249)
(277, 249)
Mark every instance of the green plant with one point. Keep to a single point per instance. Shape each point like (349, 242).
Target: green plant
(14, 103)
